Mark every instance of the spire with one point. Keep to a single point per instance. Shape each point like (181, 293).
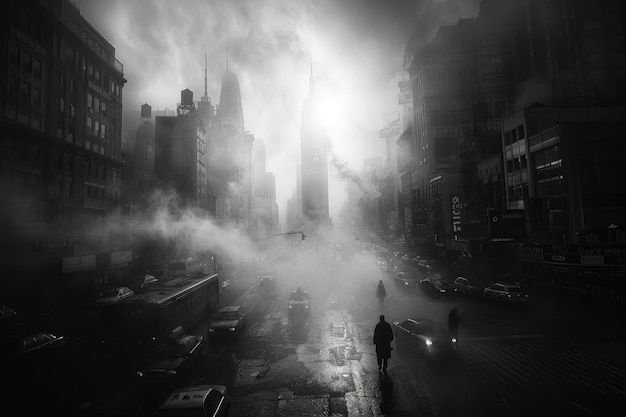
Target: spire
(311, 79)
(206, 93)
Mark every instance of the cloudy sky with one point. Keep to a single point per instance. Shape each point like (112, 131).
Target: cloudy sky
(356, 49)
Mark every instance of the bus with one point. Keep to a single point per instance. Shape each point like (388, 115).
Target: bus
(143, 320)
(185, 267)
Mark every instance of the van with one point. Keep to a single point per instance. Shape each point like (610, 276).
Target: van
(185, 267)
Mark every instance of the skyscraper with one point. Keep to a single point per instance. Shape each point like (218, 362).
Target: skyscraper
(314, 160)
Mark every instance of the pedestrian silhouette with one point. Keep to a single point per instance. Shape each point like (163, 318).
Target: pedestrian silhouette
(453, 323)
(383, 336)
(381, 293)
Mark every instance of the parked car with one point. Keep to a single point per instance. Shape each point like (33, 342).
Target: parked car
(172, 357)
(436, 288)
(424, 337)
(464, 286)
(403, 281)
(229, 320)
(114, 295)
(506, 292)
(143, 282)
(299, 301)
(267, 283)
(200, 400)
(31, 349)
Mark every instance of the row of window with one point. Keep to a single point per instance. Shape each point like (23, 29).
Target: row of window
(28, 63)
(514, 135)
(96, 128)
(94, 147)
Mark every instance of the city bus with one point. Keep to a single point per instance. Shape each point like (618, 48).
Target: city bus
(144, 320)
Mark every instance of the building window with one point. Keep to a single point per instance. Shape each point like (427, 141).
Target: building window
(36, 98)
(14, 54)
(72, 110)
(61, 104)
(27, 63)
(89, 124)
(24, 95)
(14, 91)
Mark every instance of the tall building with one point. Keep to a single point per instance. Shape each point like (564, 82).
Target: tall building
(61, 160)
(180, 153)
(265, 206)
(314, 161)
(444, 88)
(231, 155)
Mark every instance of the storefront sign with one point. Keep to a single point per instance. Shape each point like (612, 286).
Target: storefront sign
(456, 213)
(78, 263)
(506, 223)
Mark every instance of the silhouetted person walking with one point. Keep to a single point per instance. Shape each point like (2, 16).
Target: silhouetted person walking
(383, 336)
(453, 323)
(381, 293)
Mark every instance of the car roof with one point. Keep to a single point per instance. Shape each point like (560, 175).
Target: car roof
(506, 284)
(228, 309)
(189, 397)
(7, 312)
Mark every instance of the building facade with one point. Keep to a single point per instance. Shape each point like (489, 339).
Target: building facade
(61, 161)
(314, 162)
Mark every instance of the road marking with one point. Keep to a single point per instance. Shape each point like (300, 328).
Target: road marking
(531, 366)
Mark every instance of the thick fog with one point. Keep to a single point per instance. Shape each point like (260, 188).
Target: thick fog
(354, 47)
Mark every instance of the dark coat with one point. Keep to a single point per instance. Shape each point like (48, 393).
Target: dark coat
(380, 291)
(383, 336)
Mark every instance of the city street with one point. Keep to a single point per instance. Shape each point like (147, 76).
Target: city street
(551, 356)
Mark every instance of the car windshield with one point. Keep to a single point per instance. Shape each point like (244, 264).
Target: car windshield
(299, 296)
(515, 289)
(169, 350)
(110, 293)
(227, 315)
(428, 328)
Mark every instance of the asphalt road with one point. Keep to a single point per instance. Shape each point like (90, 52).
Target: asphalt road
(553, 356)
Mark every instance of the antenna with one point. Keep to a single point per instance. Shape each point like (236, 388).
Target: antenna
(206, 94)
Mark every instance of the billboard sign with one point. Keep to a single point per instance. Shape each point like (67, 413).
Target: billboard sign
(455, 200)
(506, 224)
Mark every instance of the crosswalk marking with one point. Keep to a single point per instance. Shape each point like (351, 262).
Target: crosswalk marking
(527, 365)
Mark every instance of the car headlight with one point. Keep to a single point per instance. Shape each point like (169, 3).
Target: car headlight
(232, 329)
(442, 290)
(211, 330)
(290, 306)
(140, 374)
(307, 306)
(171, 372)
(429, 342)
(454, 340)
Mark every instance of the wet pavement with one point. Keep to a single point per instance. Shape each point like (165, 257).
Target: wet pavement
(323, 363)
